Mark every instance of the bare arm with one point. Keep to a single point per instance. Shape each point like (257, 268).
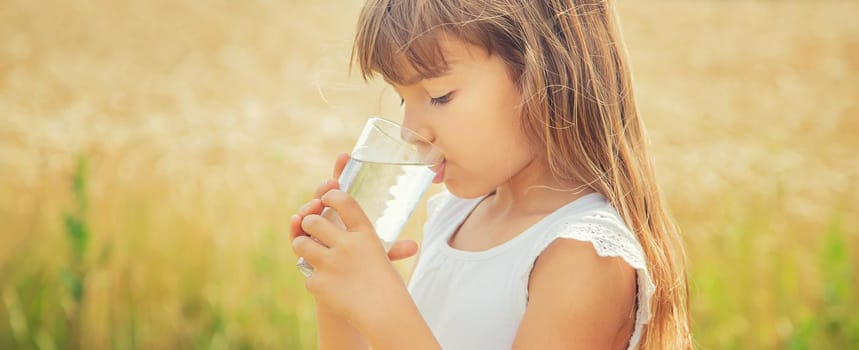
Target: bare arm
(578, 298)
(337, 333)
(398, 326)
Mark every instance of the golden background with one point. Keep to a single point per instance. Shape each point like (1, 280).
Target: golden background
(151, 153)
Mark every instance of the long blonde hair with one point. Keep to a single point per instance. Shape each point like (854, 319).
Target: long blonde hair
(570, 64)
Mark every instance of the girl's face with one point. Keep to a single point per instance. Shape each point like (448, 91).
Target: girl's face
(472, 113)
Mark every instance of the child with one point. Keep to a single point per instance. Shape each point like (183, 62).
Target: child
(551, 231)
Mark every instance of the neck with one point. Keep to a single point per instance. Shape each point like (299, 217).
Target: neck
(534, 190)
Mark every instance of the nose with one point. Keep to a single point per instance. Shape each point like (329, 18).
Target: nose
(413, 137)
(415, 130)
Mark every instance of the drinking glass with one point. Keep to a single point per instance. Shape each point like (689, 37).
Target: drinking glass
(388, 172)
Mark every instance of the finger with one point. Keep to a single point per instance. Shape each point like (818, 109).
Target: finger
(310, 250)
(347, 208)
(340, 163)
(314, 206)
(326, 186)
(295, 227)
(322, 230)
(402, 250)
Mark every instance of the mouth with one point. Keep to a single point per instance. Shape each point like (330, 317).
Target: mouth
(439, 172)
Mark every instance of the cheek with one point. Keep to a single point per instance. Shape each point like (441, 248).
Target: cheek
(482, 169)
(484, 137)
(488, 132)
(494, 156)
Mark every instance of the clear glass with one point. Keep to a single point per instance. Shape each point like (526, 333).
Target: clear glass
(388, 172)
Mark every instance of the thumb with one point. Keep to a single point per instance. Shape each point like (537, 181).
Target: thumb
(402, 249)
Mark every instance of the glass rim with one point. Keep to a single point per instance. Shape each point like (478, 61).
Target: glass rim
(435, 154)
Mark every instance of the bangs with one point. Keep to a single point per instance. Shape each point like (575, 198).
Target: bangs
(399, 39)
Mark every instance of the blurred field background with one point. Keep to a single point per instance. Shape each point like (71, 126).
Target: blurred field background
(151, 153)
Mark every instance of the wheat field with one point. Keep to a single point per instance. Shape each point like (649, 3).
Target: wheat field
(151, 153)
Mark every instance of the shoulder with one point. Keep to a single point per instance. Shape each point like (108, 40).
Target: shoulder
(587, 281)
(603, 230)
(572, 274)
(577, 296)
(600, 235)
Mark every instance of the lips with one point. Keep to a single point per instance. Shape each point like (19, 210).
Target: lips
(439, 172)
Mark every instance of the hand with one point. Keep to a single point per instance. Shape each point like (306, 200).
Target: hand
(352, 274)
(401, 249)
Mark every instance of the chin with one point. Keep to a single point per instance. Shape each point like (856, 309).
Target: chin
(465, 191)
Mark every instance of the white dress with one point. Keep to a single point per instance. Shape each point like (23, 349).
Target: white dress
(476, 300)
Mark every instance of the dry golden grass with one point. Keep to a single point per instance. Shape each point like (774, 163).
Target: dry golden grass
(203, 125)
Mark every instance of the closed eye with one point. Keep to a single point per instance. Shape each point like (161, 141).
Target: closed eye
(442, 99)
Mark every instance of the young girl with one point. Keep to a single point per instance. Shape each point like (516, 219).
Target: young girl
(551, 231)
